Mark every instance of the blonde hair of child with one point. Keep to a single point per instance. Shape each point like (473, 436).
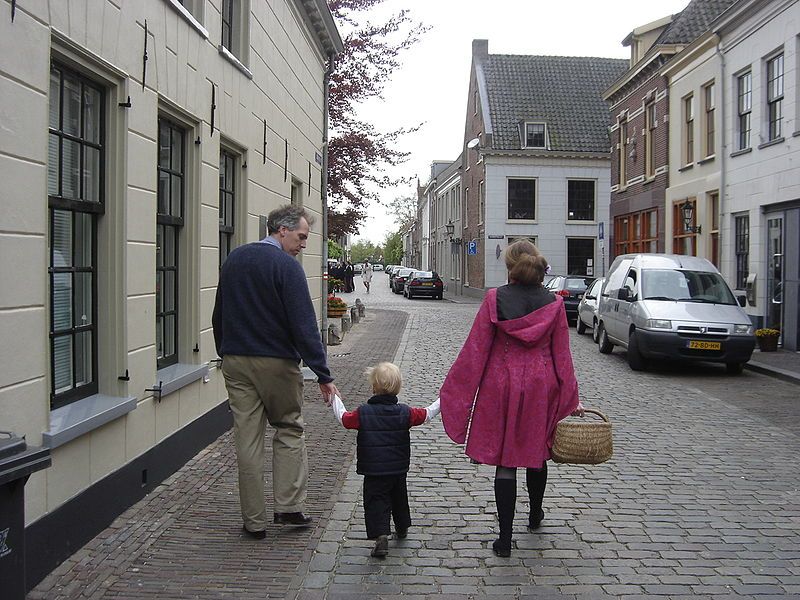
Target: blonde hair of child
(385, 378)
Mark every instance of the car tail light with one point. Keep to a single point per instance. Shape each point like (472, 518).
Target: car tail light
(438, 284)
(563, 293)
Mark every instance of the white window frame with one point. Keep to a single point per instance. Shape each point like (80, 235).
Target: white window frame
(775, 99)
(544, 134)
(744, 109)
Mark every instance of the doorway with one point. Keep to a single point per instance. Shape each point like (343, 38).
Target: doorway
(775, 272)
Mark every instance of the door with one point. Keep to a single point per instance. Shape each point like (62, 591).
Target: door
(774, 317)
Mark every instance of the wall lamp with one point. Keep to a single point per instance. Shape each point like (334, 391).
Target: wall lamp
(450, 231)
(687, 212)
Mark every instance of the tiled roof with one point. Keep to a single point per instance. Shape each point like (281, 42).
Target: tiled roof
(563, 91)
(693, 21)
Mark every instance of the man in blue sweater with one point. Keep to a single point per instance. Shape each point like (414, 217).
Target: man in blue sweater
(264, 323)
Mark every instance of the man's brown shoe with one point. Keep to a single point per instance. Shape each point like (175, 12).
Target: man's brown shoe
(296, 519)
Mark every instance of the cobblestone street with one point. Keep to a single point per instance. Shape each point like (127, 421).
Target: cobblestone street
(700, 500)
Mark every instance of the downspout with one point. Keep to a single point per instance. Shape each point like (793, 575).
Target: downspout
(723, 148)
(324, 193)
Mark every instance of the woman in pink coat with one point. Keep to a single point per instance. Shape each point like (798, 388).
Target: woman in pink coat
(512, 382)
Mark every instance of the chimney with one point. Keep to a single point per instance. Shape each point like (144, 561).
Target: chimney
(480, 49)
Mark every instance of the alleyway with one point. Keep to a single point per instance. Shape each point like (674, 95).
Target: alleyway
(700, 501)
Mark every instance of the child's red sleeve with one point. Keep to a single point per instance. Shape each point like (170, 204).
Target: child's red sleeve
(418, 416)
(350, 419)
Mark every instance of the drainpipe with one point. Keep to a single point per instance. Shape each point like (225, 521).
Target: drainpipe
(324, 193)
(723, 148)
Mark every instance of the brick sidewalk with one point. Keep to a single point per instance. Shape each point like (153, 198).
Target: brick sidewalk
(184, 539)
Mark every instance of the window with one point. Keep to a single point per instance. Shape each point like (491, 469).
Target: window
(708, 119)
(235, 32)
(169, 221)
(580, 200)
(650, 139)
(535, 135)
(684, 240)
(713, 200)
(466, 207)
(688, 130)
(580, 256)
(227, 203)
(481, 202)
(623, 153)
(75, 177)
(775, 96)
(742, 248)
(636, 232)
(475, 99)
(744, 86)
(194, 8)
(522, 199)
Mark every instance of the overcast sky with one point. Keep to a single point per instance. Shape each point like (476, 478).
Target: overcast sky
(431, 86)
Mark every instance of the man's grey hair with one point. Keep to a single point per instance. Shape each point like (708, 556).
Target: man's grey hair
(287, 216)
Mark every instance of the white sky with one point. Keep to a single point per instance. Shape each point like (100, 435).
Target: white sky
(431, 86)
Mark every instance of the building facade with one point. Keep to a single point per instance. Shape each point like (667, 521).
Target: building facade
(535, 162)
(147, 139)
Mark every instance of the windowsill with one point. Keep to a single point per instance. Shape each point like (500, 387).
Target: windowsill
(581, 222)
(522, 221)
(174, 377)
(740, 152)
(686, 167)
(708, 158)
(774, 142)
(81, 417)
(796, 134)
(650, 179)
(188, 17)
(234, 61)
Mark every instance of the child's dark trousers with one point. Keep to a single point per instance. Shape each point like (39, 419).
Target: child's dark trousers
(385, 496)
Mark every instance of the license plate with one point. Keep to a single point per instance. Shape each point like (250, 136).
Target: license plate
(427, 284)
(701, 345)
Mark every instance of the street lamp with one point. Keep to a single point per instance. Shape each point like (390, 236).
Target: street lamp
(450, 231)
(687, 211)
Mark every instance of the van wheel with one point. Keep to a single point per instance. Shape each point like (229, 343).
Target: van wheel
(734, 368)
(603, 343)
(581, 326)
(594, 331)
(636, 361)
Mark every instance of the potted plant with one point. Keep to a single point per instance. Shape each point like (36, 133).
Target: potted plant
(767, 339)
(336, 307)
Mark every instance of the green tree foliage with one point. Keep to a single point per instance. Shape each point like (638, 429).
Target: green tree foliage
(393, 249)
(361, 251)
(334, 250)
(358, 153)
(404, 209)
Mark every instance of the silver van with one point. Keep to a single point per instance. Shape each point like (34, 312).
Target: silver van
(669, 306)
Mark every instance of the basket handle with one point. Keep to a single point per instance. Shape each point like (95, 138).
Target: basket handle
(596, 412)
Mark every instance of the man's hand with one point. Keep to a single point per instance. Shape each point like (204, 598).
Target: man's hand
(328, 390)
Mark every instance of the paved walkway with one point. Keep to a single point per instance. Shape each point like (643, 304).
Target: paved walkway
(700, 501)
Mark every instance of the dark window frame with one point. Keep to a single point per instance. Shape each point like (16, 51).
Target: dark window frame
(741, 227)
(172, 223)
(528, 212)
(688, 129)
(709, 105)
(75, 206)
(227, 200)
(571, 199)
(572, 256)
(650, 138)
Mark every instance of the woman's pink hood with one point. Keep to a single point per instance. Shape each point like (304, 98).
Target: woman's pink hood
(534, 329)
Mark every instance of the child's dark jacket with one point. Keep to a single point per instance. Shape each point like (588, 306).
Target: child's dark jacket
(384, 442)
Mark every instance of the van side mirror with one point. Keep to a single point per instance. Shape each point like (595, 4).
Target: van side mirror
(624, 294)
(742, 300)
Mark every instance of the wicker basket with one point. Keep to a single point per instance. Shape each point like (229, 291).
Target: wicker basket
(582, 443)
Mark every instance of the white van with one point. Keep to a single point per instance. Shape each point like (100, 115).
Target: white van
(669, 306)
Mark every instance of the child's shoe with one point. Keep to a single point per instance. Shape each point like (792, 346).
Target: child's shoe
(381, 548)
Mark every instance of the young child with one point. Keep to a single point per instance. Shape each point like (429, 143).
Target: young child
(384, 452)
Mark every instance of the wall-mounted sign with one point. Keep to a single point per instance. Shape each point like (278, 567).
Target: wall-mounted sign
(497, 237)
(472, 247)
(318, 158)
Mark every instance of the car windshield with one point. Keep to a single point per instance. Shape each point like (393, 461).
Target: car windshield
(405, 272)
(686, 286)
(423, 275)
(576, 284)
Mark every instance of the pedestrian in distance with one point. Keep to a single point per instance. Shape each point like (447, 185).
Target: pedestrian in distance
(384, 452)
(366, 274)
(512, 382)
(349, 284)
(264, 323)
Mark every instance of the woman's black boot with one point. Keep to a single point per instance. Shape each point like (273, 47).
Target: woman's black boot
(505, 496)
(536, 479)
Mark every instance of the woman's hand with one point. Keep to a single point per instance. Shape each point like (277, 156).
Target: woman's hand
(578, 412)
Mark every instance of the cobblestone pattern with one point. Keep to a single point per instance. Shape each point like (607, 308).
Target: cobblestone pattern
(184, 539)
(700, 500)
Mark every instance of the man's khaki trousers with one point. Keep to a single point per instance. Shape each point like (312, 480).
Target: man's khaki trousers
(263, 389)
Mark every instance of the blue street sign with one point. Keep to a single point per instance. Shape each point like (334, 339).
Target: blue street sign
(601, 230)
(472, 247)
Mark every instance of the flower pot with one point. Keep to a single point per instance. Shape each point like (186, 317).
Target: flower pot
(335, 313)
(767, 343)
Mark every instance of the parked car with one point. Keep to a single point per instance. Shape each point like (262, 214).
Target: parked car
(424, 283)
(669, 306)
(392, 272)
(377, 267)
(571, 288)
(357, 268)
(399, 279)
(587, 308)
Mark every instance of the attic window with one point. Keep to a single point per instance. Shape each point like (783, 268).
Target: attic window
(535, 135)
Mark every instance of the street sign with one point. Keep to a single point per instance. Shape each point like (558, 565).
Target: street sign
(472, 247)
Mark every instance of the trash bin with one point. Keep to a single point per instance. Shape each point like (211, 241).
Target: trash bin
(17, 462)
